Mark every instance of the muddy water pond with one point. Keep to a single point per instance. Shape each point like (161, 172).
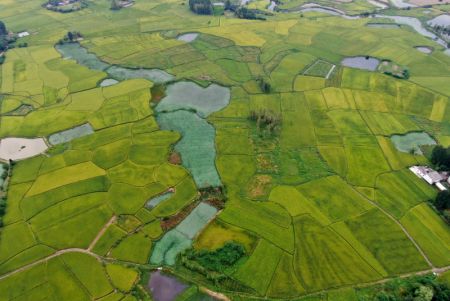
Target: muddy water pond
(361, 62)
(21, 148)
(424, 49)
(411, 142)
(188, 37)
(165, 287)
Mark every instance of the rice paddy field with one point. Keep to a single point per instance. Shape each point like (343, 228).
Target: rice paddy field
(322, 203)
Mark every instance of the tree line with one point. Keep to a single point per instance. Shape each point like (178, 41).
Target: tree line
(205, 7)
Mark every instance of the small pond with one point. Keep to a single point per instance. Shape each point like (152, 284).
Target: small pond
(187, 37)
(383, 25)
(165, 287)
(442, 20)
(361, 62)
(153, 202)
(411, 142)
(70, 134)
(108, 82)
(21, 148)
(424, 49)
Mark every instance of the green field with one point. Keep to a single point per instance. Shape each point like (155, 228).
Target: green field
(252, 133)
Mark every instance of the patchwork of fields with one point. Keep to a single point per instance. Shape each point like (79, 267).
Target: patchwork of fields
(325, 202)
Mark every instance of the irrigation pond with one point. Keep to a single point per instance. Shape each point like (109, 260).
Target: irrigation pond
(411, 142)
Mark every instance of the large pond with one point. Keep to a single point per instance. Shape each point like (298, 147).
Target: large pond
(21, 148)
(411, 142)
(83, 57)
(190, 96)
(184, 110)
(180, 238)
(164, 287)
(196, 146)
(361, 62)
(70, 134)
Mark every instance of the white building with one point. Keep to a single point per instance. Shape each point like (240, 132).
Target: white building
(431, 176)
(23, 34)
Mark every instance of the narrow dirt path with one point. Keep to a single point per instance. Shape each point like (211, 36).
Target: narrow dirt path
(56, 254)
(213, 294)
(102, 231)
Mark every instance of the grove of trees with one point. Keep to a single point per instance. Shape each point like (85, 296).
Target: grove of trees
(201, 7)
(440, 157)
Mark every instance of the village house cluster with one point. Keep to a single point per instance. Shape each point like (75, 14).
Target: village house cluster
(440, 179)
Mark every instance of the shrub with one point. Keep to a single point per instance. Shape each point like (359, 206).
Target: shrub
(266, 121)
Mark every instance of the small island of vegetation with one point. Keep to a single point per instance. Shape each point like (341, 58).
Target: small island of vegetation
(65, 6)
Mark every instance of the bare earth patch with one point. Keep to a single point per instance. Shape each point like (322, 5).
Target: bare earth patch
(21, 148)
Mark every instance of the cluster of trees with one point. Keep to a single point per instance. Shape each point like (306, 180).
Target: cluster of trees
(243, 12)
(442, 29)
(201, 7)
(442, 204)
(440, 157)
(419, 288)
(3, 37)
(264, 85)
(266, 121)
(70, 37)
(212, 264)
(74, 5)
(3, 177)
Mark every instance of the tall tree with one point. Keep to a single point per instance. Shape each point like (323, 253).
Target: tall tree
(3, 31)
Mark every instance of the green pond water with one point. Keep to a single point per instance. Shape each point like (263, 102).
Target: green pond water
(412, 142)
(153, 202)
(83, 57)
(70, 134)
(196, 146)
(180, 238)
(108, 82)
(190, 96)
